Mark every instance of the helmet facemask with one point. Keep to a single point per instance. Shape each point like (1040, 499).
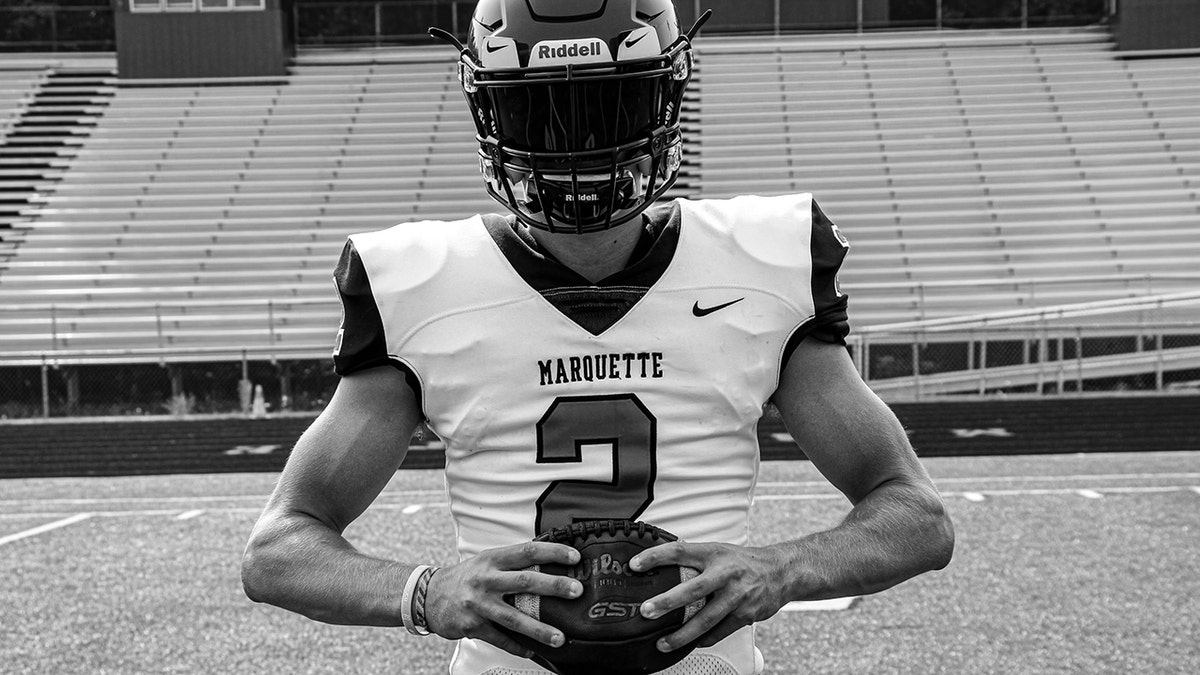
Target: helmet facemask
(579, 147)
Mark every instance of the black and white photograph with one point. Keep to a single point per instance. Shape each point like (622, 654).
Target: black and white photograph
(600, 337)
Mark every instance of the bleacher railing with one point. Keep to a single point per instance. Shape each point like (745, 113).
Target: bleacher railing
(52, 340)
(1142, 344)
(1148, 343)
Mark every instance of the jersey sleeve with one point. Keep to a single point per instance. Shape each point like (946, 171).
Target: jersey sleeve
(361, 343)
(828, 249)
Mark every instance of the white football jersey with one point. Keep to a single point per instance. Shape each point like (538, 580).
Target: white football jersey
(648, 414)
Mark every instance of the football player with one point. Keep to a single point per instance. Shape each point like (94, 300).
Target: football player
(595, 353)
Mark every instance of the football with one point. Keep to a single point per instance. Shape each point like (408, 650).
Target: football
(605, 631)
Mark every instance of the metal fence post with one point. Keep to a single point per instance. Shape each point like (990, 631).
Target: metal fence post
(271, 327)
(1158, 362)
(916, 358)
(866, 359)
(1078, 360)
(45, 388)
(983, 365)
(1042, 354)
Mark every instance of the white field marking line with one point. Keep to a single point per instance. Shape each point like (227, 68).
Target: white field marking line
(979, 495)
(176, 512)
(411, 509)
(1008, 479)
(188, 515)
(75, 517)
(120, 514)
(82, 501)
(34, 531)
(831, 605)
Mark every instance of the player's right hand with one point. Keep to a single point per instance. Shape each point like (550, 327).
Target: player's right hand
(467, 599)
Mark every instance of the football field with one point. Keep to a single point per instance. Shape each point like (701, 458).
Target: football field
(1065, 564)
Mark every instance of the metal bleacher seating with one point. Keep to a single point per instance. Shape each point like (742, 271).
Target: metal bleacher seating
(966, 168)
(18, 79)
(205, 217)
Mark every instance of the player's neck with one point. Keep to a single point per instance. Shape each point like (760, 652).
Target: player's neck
(596, 255)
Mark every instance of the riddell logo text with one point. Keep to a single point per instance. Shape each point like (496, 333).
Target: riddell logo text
(569, 51)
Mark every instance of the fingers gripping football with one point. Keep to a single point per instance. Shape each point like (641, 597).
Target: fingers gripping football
(467, 599)
(743, 586)
(606, 634)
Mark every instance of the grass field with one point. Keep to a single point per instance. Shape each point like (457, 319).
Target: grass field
(1065, 564)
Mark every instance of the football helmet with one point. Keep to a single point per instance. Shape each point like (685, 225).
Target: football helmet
(576, 106)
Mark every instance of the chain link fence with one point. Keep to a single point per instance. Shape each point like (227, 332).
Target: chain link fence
(915, 365)
(254, 388)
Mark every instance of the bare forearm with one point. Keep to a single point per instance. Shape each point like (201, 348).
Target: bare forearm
(300, 564)
(896, 532)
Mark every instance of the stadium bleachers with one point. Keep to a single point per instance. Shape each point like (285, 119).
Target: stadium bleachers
(965, 168)
(1016, 157)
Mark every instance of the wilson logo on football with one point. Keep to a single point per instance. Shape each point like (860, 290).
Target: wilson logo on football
(604, 567)
(612, 611)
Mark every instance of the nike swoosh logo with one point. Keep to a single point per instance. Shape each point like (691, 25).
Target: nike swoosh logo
(630, 43)
(492, 50)
(697, 310)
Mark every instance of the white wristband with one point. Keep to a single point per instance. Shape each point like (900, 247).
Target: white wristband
(406, 601)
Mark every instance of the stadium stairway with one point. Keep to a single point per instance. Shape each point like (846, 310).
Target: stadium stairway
(942, 428)
(53, 119)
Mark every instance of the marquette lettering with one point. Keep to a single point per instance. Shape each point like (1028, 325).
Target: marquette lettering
(601, 367)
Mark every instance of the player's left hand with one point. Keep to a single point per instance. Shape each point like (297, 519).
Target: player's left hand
(743, 585)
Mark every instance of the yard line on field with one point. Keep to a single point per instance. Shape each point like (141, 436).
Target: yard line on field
(124, 514)
(34, 531)
(411, 509)
(831, 605)
(1010, 479)
(981, 495)
(175, 512)
(188, 515)
(85, 501)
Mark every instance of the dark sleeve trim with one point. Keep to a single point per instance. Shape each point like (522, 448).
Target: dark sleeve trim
(362, 341)
(830, 322)
(828, 249)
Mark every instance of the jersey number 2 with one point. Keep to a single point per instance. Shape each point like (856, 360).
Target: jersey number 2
(582, 429)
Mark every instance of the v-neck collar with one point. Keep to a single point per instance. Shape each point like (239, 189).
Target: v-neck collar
(593, 306)
(543, 272)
